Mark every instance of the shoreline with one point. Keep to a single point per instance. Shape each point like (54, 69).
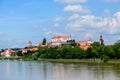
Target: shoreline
(80, 61)
(92, 61)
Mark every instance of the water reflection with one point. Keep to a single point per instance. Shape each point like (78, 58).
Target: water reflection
(62, 71)
(30, 70)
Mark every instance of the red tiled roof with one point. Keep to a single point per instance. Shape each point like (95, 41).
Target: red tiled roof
(9, 50)
(85, 47)
(61, 37)
(29, 49)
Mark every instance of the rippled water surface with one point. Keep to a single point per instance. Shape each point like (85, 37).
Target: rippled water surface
(31, 70)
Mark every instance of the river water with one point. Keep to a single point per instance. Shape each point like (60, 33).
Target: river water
(31, 70)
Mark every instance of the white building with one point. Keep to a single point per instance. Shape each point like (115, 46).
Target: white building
(58, 40)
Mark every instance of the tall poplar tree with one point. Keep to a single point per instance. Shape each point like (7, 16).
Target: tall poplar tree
(44, 41)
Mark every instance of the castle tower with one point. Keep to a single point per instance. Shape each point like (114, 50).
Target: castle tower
(101, 40)
(29, 43)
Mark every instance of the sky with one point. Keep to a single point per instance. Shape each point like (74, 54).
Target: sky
(32, 20)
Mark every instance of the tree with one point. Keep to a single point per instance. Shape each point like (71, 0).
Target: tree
(96, 50)
(14, 54)
(116, 49)
(102, 42)
(105, 58)
(19, 53)
(109, 51)
(28, 54)
(71, 42)
(95, 44)
(2, 50)
(44, 41)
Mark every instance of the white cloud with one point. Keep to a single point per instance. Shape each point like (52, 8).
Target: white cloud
(71, 1)
(76, 8)
(74, 17)
(117, 16)
(108, 25)
(57, 19)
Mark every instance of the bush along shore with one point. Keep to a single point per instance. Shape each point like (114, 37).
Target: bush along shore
(68, 53)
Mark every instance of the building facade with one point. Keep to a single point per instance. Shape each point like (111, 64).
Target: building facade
(84, 44)
(58, 40)
(7, 52)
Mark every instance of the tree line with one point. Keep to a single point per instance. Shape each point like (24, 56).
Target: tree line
(73, 51)
(95, 51)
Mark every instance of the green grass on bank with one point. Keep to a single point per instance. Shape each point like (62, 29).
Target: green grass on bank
(96, 61)
(114, 61)
(80, 61)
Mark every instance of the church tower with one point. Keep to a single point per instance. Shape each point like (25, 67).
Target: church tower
(29, 43)
(101, 40)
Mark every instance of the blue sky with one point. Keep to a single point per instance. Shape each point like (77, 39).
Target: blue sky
(24, 20)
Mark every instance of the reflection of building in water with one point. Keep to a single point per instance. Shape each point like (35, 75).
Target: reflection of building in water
(62, 72)
(46, 71)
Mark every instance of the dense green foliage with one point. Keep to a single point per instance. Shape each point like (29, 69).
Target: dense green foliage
(96, 51)
(64, 52)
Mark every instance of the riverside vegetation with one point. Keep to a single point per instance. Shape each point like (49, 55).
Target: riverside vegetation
(95, 52)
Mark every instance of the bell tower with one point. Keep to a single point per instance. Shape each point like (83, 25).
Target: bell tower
(29, 43)
(101, 40)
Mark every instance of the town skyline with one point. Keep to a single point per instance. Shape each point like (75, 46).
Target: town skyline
(28, 20)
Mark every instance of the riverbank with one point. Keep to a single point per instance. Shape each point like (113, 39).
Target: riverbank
(11, 58)
(93, 61)
(96, 61)
(71, 60)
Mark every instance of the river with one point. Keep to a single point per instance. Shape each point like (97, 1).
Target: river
(33, 70)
